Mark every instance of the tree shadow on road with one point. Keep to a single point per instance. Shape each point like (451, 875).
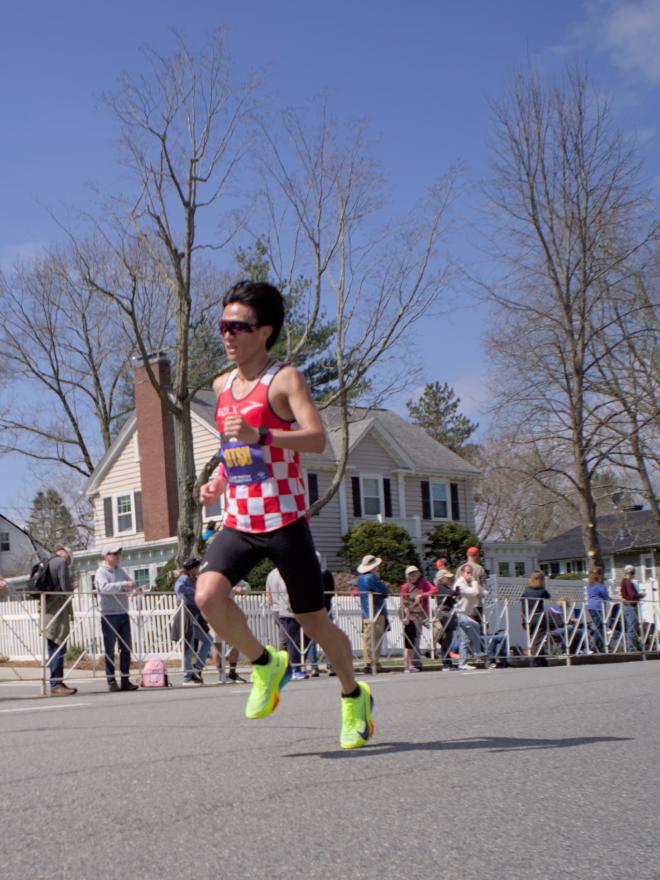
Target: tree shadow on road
(489, 743)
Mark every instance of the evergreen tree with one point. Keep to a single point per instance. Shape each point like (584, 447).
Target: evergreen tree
(437, 412)
(392, 543)
(50, 521)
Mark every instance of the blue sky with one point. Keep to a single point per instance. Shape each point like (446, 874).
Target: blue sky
(421, 72)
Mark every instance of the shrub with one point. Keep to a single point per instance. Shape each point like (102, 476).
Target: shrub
(256, 578)
(74, 652)
(390, 542)
(451, 541)
(165, 578)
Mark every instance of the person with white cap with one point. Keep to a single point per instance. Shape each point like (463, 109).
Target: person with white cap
(113, 585)
(372, 593)
(414, 613)
(630, 598)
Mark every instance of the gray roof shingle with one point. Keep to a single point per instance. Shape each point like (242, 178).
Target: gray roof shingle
(618, 532)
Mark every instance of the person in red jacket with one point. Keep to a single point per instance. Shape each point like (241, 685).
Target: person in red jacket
(631, 597)
(414, 613)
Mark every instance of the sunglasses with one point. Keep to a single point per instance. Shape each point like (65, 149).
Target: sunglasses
(233, 327)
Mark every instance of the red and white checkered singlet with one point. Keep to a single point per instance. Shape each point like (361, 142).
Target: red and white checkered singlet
(280, 499)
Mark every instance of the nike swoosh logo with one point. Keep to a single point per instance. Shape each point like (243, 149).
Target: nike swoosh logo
(364, 733)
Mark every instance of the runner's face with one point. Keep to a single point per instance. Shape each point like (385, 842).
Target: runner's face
(243, 345)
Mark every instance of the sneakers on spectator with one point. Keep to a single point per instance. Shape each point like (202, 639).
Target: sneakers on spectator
(357, 728)
(197, 676)
(315, 673)
(298, 675)
(232, 675)
(465, 667)
(412, 669)
(127, 685)
(113, 687)
(191, 683)
(62, 690)
(267, 681)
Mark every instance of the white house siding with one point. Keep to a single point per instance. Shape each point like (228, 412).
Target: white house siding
(205, 444)
(21, 554)
(370, 458)
(326, 527)
(122, 478)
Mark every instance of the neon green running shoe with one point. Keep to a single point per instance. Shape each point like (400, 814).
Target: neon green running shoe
(267, 682)
(356, 724)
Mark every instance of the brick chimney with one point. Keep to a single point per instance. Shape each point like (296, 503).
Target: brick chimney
(155, 429)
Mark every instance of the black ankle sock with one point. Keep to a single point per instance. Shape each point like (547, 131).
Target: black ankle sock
(353, 694)
(262, 660)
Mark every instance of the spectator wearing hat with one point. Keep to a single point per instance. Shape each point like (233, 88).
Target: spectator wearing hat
(414, 613)
(478, 571)
(444, 624)
(196, 638)
(372, 593)
(631, 597)
(471, 594)
(113, 584)
(58, 618)
(534, 620)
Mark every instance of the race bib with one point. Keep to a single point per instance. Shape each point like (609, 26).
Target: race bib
(244, 463)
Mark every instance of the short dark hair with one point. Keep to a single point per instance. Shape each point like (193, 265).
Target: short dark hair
(265, 299)
(210, 524)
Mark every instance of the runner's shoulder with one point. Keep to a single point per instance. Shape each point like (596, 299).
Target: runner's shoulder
(288, 377)
(220, 381)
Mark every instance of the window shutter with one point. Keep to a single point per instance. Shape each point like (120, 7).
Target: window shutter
(357, 501)
(387, 495)
(426, 499)
(107, 515)
(139, 524)
(313, 487)
(455, 508)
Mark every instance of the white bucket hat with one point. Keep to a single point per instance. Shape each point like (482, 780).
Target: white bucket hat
(368, 563)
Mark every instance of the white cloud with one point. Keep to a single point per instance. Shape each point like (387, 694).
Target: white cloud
(630, 34)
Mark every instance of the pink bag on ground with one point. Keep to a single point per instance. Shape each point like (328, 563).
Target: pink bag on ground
(154, 674)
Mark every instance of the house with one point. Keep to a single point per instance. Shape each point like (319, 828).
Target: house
(396, 473)
(628, 537)
(17, 549)
(516, 559)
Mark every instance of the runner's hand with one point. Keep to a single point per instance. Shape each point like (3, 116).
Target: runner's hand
(211, 491)
(236, 428)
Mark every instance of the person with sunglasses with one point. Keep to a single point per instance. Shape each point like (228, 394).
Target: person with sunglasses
(267, 418)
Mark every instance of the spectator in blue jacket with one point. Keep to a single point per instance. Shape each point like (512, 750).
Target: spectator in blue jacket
(598, 601)
(373, 593)
(196, 631)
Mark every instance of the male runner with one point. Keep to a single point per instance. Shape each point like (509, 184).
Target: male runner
(266, 418)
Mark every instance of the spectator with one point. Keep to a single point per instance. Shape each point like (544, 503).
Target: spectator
(478, 571)
(209, 531)
(470, 595)
(58, 618)
(113, 584)
(534, 619)
(631, 597)
(445, 623)
(240, 589)
(290, 630)
(311, 648)
(597, 596)
(196, 639)
(372, 593)
(414, 614)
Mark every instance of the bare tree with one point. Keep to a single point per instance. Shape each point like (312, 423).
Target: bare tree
(322, 198)
(65, 350)
(570, 217)
(182, 139)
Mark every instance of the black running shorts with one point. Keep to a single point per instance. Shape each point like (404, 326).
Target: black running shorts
(290, 549)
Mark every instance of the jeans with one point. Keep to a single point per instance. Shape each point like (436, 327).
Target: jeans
(113, 627)
(200, 640)
(596, 631)
(470, 637)
(312, 653)
(56, 662)
(632, 625)
(290, 637)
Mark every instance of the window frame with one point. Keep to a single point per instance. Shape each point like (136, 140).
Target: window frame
(3, 536)
(448, 504)
(504, 563)
(381, 498)
(520, 564)
(116, 514)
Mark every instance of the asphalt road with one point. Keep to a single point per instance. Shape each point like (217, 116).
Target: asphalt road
(534, 773)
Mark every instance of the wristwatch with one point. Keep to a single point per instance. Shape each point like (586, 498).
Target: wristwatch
(265, 436)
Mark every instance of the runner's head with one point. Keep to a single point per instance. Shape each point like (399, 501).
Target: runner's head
(256, 305)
